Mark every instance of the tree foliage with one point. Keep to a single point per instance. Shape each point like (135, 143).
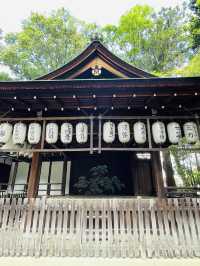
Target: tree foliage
(133, 33)
(182, 153)
(5, 76)
(158, 42)
(195, 24)
(169, 39)
(193, 67)
(45, 43)
(98, 182)
(154, 41)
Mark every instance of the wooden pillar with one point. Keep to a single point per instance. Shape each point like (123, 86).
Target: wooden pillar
(167, 165)
(68, 174)
(133, 165)
(157, 172)
(33, 180)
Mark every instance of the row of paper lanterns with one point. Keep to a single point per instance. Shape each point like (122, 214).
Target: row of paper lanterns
(159, 132)
(20, 130)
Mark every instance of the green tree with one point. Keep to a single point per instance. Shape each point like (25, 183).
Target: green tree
(4, 76)
(181, 154)
(155, 41)
(98, 182)
(169, 39)
(110, 39)
(195, 24)
(45, 43)
(192, 69)
(132, 34)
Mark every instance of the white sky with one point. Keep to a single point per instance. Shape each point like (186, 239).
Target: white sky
(12, 12)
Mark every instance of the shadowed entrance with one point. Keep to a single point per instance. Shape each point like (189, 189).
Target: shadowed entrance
(130, 172)
(117, 164)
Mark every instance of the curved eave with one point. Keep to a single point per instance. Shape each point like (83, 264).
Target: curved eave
(135, 94)
(100, 50)
(101, 84)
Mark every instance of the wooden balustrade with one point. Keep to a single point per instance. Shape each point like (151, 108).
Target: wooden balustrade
(13, 191)
(100, 227)
(182, 192)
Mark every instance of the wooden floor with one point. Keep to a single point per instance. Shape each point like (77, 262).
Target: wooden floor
(100, 227)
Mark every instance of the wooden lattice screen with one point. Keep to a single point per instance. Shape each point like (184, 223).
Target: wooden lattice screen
(100, 227)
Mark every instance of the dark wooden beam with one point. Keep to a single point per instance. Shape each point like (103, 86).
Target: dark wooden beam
(167, 165)
(60, 102)
(33, 180)
(149, 100)
(157, 173)
(6, 104)
(168, 85)
(22, 101)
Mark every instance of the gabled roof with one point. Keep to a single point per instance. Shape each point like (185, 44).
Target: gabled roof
(96, 52)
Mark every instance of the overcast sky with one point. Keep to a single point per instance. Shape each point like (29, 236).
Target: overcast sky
(12, 12)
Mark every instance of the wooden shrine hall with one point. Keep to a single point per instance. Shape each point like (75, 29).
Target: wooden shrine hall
(85, 167)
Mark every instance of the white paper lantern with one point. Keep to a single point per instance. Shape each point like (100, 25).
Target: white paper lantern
(159, 133)
(139, 131)
(109, 132)
(5, 132)
(81, 132)
(66, 133)
(34, 133)
(174, 132)
(19, 133)
(51, 133)
(191, 132)
(124, 133)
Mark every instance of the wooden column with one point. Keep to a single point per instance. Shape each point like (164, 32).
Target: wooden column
(167, 165)
(67, 184)
(34, 176)
(133, 165)
(157, 172)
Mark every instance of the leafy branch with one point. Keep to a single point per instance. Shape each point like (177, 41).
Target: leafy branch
(98, 182)
(181, 153)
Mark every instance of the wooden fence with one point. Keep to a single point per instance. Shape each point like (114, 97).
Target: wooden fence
(100, 227)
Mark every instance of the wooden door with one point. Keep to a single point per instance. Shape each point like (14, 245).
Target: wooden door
(142, 177)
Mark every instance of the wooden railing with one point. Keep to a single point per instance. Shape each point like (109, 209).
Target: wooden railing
(48, 189)
(12, 191)
(100, 227)
(182, 192)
